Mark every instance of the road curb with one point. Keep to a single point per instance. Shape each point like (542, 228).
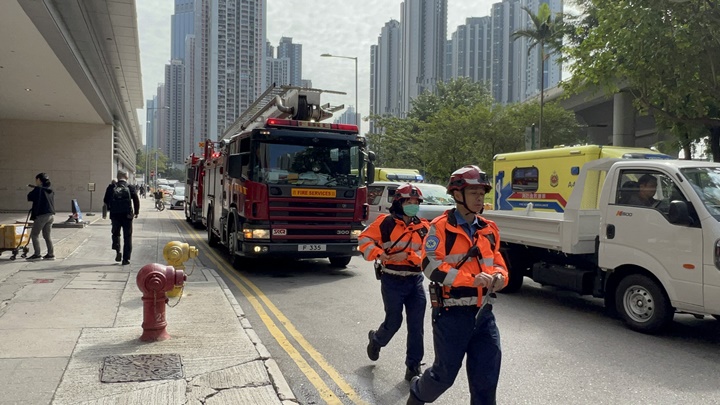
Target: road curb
(280, 384)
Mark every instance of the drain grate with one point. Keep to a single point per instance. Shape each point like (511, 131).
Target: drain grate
(141, 367)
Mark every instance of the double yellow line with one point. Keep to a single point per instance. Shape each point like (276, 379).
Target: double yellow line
(245, 286)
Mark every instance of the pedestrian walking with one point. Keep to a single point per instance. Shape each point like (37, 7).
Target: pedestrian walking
(394, 242)
(43, 216)
(461, 257)
(124, 204)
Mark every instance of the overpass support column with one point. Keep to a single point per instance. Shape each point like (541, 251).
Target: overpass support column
(623, 120)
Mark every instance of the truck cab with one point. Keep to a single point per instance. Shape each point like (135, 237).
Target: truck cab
(644, 234)
(668, 242)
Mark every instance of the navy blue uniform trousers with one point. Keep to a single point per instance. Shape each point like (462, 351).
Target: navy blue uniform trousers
(126, 225)
(399, 291)
(457, 332)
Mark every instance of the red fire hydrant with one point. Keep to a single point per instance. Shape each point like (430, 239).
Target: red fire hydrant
(154, 280)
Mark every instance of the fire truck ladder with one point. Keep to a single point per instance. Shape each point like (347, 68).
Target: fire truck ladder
(281, 102)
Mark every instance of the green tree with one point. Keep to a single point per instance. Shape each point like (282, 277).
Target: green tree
(457, 93)
(455, 133)
(546, 33)
(666, 53)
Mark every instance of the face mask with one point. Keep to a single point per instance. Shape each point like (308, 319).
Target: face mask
(411, 209)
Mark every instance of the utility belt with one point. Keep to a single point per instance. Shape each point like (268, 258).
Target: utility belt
(380, 270)
(437, 300)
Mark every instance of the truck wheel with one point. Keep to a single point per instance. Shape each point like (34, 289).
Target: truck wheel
(516, 273)
(232, 248)
(212, 238)
(339, 261)
(643, 305)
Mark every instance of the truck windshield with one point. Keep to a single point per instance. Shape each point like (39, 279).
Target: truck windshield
(337, 165)
(706, 183)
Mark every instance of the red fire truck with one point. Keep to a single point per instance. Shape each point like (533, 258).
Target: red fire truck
(280, 183)
(195, 174)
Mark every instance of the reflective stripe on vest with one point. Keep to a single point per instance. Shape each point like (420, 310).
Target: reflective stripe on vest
(402, 273)
(460, 302)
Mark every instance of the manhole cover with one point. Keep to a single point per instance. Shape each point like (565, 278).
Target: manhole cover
(142, 367)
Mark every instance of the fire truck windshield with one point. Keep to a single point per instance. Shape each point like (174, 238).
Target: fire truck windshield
(337, 165)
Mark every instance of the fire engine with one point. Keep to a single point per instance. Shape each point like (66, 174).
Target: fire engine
(195, 175)
(280, 183)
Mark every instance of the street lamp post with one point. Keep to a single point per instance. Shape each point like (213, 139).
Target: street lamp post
(357, 108)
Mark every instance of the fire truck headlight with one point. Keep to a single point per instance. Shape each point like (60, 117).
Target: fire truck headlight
(261, 234)
(355, 233)
(256, 233)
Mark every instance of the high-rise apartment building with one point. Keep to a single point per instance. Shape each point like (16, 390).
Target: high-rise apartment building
(191, 115)
(552, 67)
(424, 31)
(230, 44)
(182, 26)
(293, 53)
(515, 74)
(385, 71)
(470, 50)
(175, 99)
(347, 117)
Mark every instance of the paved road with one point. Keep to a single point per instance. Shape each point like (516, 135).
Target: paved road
(558, 348)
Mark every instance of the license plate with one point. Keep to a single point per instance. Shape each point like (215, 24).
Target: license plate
(311, 248)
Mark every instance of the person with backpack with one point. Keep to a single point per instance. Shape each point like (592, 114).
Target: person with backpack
(393, 242)
(124, 205)
(42, 214)
(461, 257)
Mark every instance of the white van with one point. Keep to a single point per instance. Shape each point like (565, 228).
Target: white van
(436, 200)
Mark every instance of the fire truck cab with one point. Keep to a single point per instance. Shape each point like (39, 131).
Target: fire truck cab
(282, 184)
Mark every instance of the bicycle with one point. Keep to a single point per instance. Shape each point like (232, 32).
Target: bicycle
(159, 205)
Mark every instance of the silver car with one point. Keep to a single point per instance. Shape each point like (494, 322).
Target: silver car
(177, 200)
(436, 200)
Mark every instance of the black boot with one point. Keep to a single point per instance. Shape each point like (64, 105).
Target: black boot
(411, 399)
(118, 256)
(373, 349)
(411, 372)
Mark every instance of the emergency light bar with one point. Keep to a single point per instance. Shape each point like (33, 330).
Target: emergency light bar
(277, 122)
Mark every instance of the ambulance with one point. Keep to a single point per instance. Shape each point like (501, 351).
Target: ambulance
(401, 175)
(547, 177)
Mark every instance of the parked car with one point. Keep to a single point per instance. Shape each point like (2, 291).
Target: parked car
(177, 200)
(436, 200)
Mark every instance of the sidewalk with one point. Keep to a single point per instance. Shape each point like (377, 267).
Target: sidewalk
(61, 320)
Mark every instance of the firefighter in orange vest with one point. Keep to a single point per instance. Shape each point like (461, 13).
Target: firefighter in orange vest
(461, 257)
(396, 241)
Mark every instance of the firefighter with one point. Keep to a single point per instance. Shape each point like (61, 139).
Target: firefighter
(394, 242)
(461, 257)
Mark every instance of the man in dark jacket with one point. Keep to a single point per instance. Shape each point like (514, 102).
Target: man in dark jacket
(124, 205)
(43, 209)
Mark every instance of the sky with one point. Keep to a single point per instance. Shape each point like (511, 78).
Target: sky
(337, 27)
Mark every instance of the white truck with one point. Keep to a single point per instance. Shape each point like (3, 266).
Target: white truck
(647, 261)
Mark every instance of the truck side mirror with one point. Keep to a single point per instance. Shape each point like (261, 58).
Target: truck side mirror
(678, 213)
(371, 156)
(370, 172)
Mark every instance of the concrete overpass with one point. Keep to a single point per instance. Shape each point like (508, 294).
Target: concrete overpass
(610, 120)
(70, 84)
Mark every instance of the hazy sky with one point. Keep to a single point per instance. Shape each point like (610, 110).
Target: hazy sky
(346, 28)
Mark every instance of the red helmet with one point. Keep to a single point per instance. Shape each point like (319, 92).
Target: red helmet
(469, 175)
(407, 191)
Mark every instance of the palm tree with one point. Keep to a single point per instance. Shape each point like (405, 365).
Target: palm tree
(547, 33)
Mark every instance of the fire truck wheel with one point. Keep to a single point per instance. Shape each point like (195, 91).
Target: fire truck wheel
(643, 304)
(339, 261)
(212, 239)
